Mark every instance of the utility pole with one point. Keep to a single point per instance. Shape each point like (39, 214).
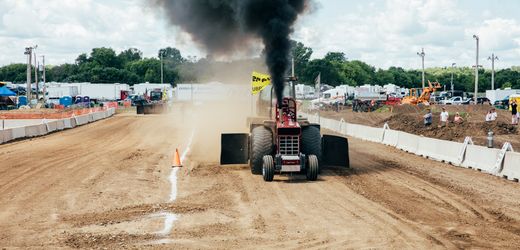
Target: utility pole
(44, 81)
(422, 54)
(493, 58)
(452, 88)
(292, 67)
(28, 52)
(162, 75)
(36, 76)
(476, 71)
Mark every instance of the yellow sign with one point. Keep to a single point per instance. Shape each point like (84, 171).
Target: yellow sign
(259, 81)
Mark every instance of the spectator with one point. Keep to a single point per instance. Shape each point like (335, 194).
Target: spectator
(428, 118)
(336, 102)
(491, 115)
(444, 117)
(458, 119)
(514, 113)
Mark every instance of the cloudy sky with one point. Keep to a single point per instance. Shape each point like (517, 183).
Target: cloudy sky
(380, 32)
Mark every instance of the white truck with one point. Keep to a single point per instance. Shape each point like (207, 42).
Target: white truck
(500, 94)
(60, 91)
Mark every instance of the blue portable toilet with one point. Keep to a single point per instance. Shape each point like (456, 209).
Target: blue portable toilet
(86, 101)
(22, 100)
(78, 100)
(66, 101)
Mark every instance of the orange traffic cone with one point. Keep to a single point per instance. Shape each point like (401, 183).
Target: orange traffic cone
(176, 159)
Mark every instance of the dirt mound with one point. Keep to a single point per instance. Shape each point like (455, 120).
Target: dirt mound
(407, 109)
(413, 123)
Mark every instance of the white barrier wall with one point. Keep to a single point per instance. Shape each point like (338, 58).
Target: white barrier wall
(60, 124)
(456, 153)
(67, 123)
(82, 120)
(40, 127)
(18, 132)
(480, 158)
(52, 126)
(35, 130)
(511, 168)
(365, 132)
(390, 137)
(407, 142)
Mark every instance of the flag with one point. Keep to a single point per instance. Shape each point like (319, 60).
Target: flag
(259, 81)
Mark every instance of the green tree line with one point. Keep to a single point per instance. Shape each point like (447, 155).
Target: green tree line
(336, 70)
(104, 65)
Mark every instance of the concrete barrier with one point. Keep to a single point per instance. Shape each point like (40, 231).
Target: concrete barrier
(407, 142)
(91, 117)
(390, 137)
(367, 133)
(2, 132)
(476, 157)
(35, 130)
(52, 126)
(448, 151)
(426, 146)
(6, 135)
(82, 120)
(329, 124)
(111, 111)
(99, 115)
(440, 150)
(73, 122)
(39, 127)
(343, 128)
(511, 169)
(18, 132)
(60, 124)
(67, 123)
(480, 158)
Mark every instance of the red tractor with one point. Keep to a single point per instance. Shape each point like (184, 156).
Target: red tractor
(287, 144)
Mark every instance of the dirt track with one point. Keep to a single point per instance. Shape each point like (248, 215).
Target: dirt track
(106, 185)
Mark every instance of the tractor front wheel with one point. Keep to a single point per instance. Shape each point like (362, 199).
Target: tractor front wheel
(312, 168)
(268, 168)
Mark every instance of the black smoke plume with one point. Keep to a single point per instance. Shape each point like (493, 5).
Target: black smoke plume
(222, 26)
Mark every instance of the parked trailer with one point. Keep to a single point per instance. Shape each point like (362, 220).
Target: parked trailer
(60, 91)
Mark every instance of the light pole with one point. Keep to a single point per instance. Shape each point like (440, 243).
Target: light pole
(44, 81)
(422, 54)
(162, 76)
(28, 52)
(476, 71)
(452, 88)
(36, 75)
(493, 58)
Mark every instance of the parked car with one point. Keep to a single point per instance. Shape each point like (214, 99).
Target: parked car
(456, 100)
(502, 104)
(480, 100)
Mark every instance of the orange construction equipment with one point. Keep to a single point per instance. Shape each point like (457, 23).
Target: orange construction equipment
(176, 159)
(416, 96)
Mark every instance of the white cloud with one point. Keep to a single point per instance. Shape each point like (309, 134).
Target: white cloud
(381, 32)
(64, 29)
(390, 33)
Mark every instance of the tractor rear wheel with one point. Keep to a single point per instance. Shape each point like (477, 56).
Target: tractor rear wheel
(311, 141)
(268, 168)
(312, 168)
(261, 144)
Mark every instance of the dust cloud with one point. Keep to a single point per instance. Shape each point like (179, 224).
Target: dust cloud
(208, 119)
(231, 72)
